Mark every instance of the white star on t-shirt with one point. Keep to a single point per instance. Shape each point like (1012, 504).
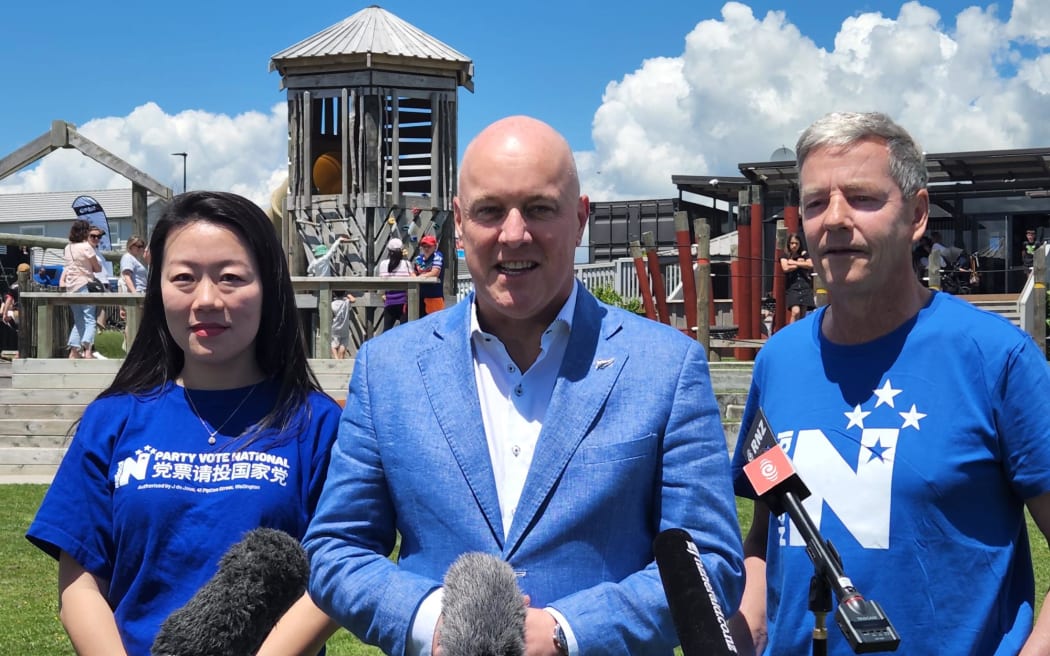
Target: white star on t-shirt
(911, 418)
(856, 417)
(886, 394)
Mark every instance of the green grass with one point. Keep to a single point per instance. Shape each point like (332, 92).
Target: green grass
(28, 580)
(29, 598)
(110, 343)
(29, 587)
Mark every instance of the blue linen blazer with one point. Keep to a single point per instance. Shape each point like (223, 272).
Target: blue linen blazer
(631, 444)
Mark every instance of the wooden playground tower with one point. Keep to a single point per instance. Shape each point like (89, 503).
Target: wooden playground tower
(372, 142)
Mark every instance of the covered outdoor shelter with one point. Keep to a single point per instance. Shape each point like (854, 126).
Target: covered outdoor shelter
(982, 202)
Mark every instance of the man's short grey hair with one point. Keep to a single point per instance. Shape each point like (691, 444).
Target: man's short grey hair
(843, 129)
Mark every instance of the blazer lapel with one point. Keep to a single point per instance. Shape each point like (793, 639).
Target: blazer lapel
(447, 372)
(590, 368)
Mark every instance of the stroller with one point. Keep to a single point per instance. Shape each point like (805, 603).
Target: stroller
(961, 275)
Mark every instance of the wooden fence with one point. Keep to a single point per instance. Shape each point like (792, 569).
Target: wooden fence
(44, 324)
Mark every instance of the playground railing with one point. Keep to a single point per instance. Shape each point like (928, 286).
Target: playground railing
(43, 328)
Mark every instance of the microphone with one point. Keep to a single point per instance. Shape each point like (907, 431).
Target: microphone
(698, 616)
(258, 580)
(776, 482)
(768, 468)
(483, 609)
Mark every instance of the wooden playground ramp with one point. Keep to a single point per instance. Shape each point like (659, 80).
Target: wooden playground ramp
(46, 396)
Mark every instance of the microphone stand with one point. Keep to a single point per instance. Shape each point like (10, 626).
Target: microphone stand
(863, 622)
(820, 605)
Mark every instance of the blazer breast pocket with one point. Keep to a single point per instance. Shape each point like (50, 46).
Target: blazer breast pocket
(612, 452)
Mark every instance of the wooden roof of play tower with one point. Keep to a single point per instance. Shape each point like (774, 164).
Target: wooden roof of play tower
(373, 38)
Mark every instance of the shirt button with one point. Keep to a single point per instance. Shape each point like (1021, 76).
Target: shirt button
(510, 368)
(518, 390)
(516, 450)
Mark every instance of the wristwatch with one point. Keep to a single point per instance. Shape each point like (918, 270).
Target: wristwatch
(561, 645)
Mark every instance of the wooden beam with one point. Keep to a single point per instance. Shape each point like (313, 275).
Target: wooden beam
(371, 163)
(350, 143)
(394, 169)
(306, 193)
(43, 145)
(116, 164)
(65, 135)
(139, 211)
(435, 153)
(1039, 298)
(702, 276)
(346, 149)
(404, 83)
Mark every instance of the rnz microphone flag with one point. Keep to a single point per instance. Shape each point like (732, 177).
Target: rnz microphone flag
(769, 470)
(88, 208)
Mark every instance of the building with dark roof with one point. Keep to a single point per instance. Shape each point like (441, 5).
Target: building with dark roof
(981, 202)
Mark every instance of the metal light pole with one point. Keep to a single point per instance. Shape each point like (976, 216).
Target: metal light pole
(183, 156)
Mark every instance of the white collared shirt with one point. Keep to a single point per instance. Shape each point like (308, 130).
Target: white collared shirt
(513, 402)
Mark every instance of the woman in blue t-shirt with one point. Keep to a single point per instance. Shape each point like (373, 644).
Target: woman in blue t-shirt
(208, 430)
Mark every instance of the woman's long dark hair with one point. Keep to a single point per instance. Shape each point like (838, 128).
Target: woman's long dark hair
(280, 349)
(395, 259)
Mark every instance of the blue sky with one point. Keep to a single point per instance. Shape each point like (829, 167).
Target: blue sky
(148, 79)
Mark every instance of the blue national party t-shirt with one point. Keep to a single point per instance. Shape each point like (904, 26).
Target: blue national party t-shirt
(142, 500)
(919, 449)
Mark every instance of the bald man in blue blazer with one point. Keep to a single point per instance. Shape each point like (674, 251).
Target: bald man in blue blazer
(531, 422)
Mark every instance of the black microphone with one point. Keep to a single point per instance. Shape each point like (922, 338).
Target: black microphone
(697, 614)
(483, 609)
(777, 484)
(768, 468)
(258, 580)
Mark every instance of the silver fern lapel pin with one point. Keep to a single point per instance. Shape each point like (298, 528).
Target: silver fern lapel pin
(602, 364)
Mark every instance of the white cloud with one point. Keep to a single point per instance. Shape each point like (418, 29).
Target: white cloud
(972, 83)
(246, 154)
(743, 86)
(1030, 21)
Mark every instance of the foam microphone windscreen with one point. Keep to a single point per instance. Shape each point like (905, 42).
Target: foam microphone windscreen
(258, 580)
(483, 608)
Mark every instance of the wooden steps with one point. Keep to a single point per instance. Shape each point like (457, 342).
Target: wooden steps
(46, 396)
(58, 381)
(1004, 305)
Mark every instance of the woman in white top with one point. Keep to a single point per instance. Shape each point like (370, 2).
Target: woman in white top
(132, 270)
